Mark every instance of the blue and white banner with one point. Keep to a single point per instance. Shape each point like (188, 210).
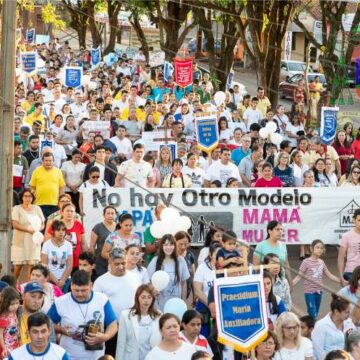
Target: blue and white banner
(230, 79)
(328, 124)
(207, 134)
(95, 56)
(28, 61)
(168, 70)
(30, 35)
(73, 76)
(240, 307)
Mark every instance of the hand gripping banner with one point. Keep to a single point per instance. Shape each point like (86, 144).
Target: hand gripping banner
(241, 316)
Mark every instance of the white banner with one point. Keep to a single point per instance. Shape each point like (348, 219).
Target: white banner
(307, 213)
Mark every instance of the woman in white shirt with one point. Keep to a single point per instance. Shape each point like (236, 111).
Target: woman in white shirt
(292, 344)
(196, 174)
(139, 326)
(225, 134)
(133, 263)
(299, 167)
(203, 280)
(292, 131)
(329, 332)
(213, 234)
(170, 347)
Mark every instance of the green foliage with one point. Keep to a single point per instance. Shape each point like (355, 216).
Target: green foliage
(50, 15)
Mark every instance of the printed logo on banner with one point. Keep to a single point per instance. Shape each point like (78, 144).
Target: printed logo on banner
(328, 124)
(30, 35)
(28, 61)
(240, 311)
(95, 56)
(207, 134)
(346, 214)
(73, 76)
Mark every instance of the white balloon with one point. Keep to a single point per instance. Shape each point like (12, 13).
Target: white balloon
(263, 133)
(92, 85)
(160, 280)
(219, 97)
(37, 238)
(271, 127)
(276, 138)
(156, 229)
(35, 223)
(169, 215)
(184, 223)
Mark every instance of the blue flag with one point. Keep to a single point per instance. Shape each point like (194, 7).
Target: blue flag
(28, 61)
(95, 56)
(30, 35)
(328, 124)
(73, 76)
(168, 70)
(207, 134)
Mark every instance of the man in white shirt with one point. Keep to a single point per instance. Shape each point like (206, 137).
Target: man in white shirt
(122, 143)
(78, 107)
(40, 347)
(222, 170)
(136, 170)
(76, 311)
(119, 285)
(123, 102)
(252, 115)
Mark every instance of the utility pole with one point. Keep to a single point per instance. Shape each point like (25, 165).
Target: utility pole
(7, 98)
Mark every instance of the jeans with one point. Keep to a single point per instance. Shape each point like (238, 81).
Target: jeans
(313, 301)
(347, 275)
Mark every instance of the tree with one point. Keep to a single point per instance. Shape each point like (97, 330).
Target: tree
(79, 17)
(170, 16)
(113, 8)
(332, 31)
(135, 23)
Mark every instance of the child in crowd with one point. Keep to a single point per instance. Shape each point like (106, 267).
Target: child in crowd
(313, 269)
(281, 286)
(307, 324)
(228, 253)
(9, 326)
(87, 263)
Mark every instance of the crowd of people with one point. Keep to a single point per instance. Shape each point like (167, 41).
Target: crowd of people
(74, 296)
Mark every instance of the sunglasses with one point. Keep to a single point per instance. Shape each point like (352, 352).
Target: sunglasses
(95, 177)
(356, 172)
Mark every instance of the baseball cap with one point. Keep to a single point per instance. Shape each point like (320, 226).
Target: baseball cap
(3, 285)
(33, 287)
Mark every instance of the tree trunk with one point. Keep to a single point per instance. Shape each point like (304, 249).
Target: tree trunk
(135, 23)
(113, 11)
(82, 36)
(94, 30)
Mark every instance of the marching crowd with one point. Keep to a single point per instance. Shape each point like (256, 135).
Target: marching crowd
(74, 296)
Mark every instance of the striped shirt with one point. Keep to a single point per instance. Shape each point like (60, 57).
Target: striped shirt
(314, 270)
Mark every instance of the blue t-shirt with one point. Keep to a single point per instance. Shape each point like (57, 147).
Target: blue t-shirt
(286, 176)
(238, 154)
(223, 253)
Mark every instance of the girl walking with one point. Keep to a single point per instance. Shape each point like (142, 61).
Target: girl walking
(314, 268)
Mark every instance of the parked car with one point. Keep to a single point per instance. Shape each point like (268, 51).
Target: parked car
(286, 88)
(290, 68)
(192, 45)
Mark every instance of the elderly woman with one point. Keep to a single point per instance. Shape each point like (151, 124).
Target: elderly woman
(292, 344)
(177, 179)
(23, 250)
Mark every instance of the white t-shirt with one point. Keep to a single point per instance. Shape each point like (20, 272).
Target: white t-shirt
(204, 253)
(138, 173)
(205, 275)
(293, 129)
(142, 274)
(74, 173)
(67, 311)
(305, 350)
(197, 176)
(251, 117)
(123, 146)
(51, 352)
(119, 289)
(102, 184)
(219, 171)
(57, 256)
(199, 344)
(184, 352)
(76, 109)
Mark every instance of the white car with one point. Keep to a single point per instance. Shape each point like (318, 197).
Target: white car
(288, 68)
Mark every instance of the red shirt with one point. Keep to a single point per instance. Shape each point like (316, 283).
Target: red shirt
(355, 148)
(73, 235)
(342, 150)
(273, 183)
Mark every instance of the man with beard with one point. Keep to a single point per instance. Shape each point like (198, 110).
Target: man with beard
(32, 152)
